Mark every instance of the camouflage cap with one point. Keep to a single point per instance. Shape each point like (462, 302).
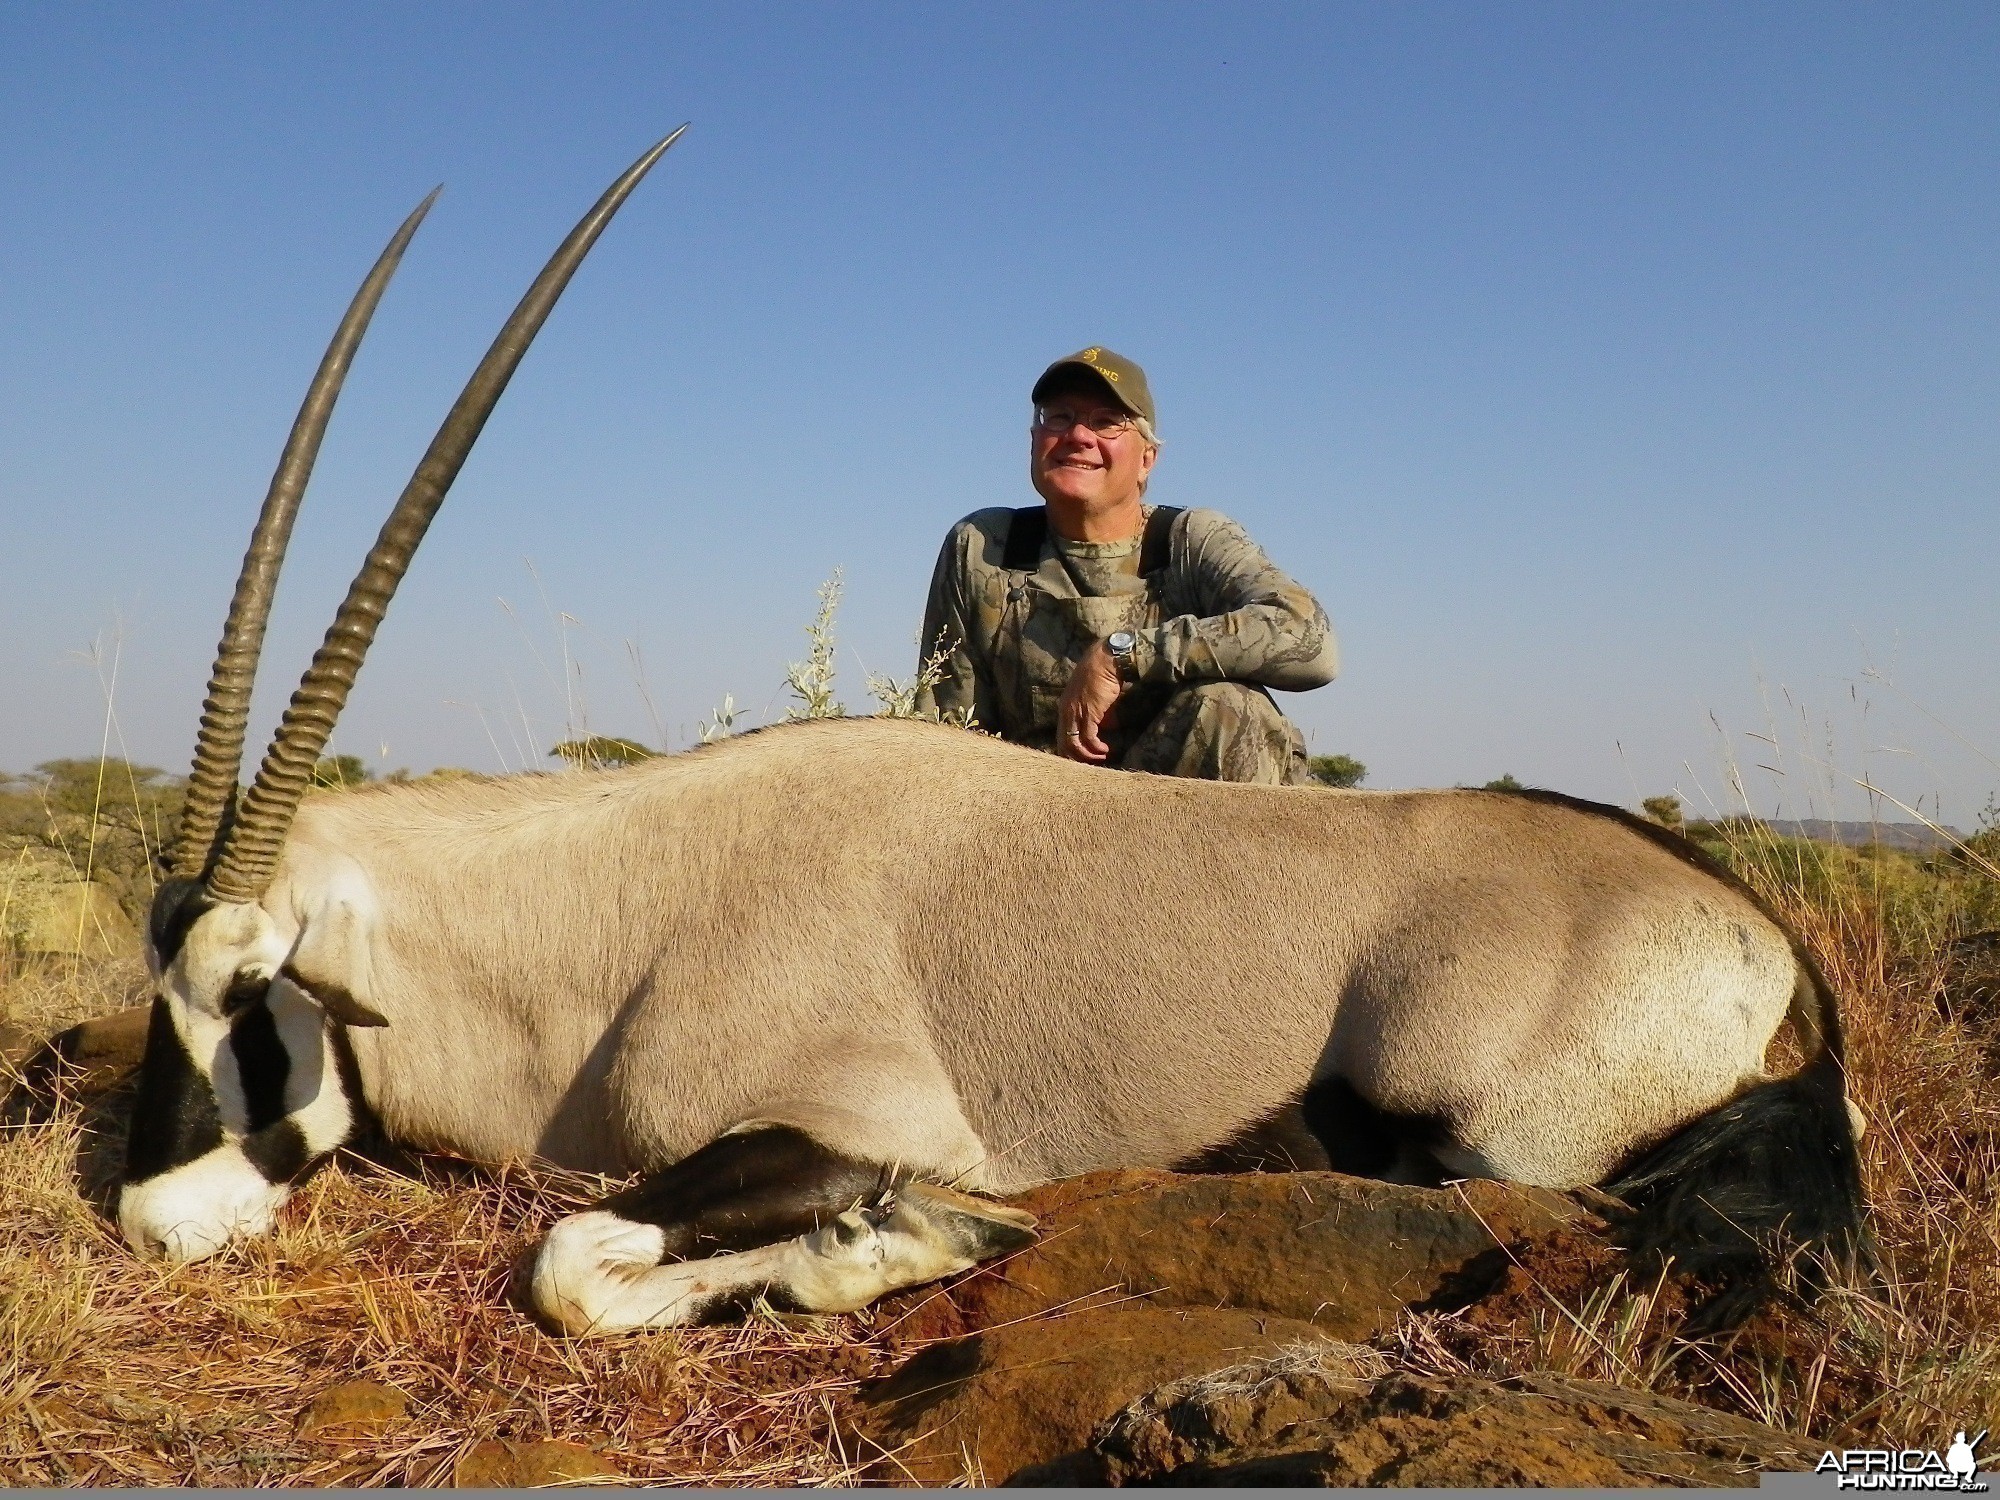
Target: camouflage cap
(1124, 380)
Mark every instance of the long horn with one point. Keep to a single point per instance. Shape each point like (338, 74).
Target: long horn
(225, 712)
(254, 842)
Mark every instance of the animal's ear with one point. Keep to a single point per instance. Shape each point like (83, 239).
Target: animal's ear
(346, 1008)
(331, 964)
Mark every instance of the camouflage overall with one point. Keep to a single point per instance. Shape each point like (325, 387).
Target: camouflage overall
(1217, 626)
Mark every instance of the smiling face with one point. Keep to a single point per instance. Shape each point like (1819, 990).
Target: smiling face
(1092, 480)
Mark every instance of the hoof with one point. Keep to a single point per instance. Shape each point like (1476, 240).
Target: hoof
(981, 1228)
(585, 1266)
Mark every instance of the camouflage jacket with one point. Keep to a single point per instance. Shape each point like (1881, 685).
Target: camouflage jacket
(1218, 610)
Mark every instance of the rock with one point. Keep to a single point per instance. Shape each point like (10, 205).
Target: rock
(354, 1408)
(1346, 1254)
(1236, 1408)
(78, 917)
(498, 1465)
(1274, 1423)
(992, 1403)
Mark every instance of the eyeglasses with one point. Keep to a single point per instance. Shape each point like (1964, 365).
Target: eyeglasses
(1104, 423)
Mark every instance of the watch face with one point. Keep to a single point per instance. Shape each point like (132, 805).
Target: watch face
(1121, 642)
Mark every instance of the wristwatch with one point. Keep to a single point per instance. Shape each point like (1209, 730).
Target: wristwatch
(1121, 644)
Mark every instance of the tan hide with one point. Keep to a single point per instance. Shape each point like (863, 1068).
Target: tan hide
(931, 947)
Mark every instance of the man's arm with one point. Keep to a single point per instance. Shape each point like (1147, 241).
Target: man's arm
(962, 685)
(1252, 622)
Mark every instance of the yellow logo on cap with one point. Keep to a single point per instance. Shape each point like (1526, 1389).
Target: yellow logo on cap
(1090, 354)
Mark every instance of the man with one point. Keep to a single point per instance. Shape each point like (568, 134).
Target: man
(1112, 631)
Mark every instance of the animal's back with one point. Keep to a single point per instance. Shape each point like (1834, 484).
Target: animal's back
(1104, 968)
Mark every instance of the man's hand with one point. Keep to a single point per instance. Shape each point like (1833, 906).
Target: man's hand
(1086, 707)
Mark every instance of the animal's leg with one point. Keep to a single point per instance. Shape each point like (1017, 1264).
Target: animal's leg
(752, 1187)
(800, 1226)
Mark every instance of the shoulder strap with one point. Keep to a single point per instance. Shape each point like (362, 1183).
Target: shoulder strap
(1030, 528)
(1025, 535)
(1158, 541)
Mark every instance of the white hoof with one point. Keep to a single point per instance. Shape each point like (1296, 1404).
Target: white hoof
(585, 1270)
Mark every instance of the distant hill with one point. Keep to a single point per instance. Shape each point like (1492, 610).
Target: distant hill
(1912, 838)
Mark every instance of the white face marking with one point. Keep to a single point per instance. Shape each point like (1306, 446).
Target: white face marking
(226, 941)
(195, 1210)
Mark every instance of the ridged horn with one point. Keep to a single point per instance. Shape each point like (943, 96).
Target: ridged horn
(258, 834)
(225, 711)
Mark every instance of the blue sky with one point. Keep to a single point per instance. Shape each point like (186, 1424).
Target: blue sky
(1622, 378)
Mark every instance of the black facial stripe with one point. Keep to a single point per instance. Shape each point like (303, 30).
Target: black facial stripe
(175, 1118)
(177, 905)
(262, 1063)
(279, 1152)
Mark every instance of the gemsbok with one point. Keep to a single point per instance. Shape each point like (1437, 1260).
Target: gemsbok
(828, 988)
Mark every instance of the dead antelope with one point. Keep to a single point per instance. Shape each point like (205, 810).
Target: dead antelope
(825, 986)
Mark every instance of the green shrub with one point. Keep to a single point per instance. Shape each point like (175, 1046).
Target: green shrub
(339, 772)
(1337, 770)
(1666, 811)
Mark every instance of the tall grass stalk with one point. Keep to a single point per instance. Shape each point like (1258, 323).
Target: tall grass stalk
(812, 681)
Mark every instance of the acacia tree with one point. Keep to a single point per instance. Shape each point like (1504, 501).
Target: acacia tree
(104, 820)
(1337, 770)
(339, 772)
(1666, 811)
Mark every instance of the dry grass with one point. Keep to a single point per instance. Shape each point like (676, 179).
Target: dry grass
(1922, 1059)
(41, 995)
(115, 1371)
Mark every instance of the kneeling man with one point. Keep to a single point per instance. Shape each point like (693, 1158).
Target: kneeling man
(1113, 631)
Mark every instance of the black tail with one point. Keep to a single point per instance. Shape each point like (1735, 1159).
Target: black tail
(1765, 1190)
